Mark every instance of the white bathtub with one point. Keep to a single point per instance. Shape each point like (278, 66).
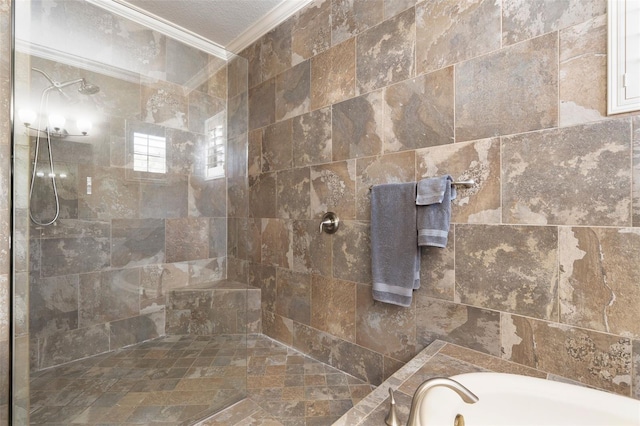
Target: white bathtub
(513, 400)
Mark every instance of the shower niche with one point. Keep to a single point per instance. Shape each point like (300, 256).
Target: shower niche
(116, 211)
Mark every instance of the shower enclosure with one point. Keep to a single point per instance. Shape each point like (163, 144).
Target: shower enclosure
(125, 143)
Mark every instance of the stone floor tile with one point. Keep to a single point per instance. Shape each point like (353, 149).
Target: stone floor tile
(179, 379)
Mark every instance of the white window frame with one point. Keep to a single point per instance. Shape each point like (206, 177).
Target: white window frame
(623, 59)
(152, 131)
(148, 158)
(215, 147)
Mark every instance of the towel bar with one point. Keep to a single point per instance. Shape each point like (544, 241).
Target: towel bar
(464, 183)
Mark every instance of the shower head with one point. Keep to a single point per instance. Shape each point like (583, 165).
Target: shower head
(85, 88)
(88, 88)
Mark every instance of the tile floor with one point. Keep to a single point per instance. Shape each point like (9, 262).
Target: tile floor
(178, 380)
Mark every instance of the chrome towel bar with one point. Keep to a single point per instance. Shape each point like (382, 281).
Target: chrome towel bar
(464, 183)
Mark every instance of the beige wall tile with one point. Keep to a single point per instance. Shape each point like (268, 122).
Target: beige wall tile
(311, 248)
(333, 306)
(54, 305)
(480, 161)
(311, 33)
(357, 127)
(384, 328)
(238, 119)
(292, 193)
(437, 272)
(165, 104)
(187, 239)
(583, 72)
(360, 362)
(448, 32)
(312, 138)
(351, 17)
(418, 113)
(65, 347)
(262, 195)
(249, 244)
(254, 157)
(509, 91)
(262, 104)
(157, 280)
(491, 363)
(493, 270)
(598, 284)
(333, 188)
(114, 197)
(352, 252)
(275, 51)
(232, 77)
(292, 91)
(596, 359)
(237, 164)
(636, 171)
(579, 176)
(277, 327)
(252, 55)
(293, 295)
(264, 278)
(393, 7)
(107, 296)
(385, 53)
(471, 327)
(237, 197)
(390, 168)
(523, 19)
(333, 75)
(277, 242)
(635, 379)
(277, 147)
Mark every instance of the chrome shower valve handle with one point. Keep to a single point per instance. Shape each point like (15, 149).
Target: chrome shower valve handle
(329, 223)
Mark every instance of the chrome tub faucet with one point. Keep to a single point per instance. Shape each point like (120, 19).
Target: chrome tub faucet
(464, 393)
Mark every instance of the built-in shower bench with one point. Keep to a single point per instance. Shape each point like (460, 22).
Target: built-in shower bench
(214, 308)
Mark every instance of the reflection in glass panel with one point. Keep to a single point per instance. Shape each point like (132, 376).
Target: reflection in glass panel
(149, 153)
(137, 219)
(216, 147)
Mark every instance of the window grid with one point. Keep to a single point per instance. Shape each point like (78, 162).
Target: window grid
(149, 153)
(216, 152)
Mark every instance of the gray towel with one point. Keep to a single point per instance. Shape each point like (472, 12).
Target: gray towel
(434, 196)
(395, 254)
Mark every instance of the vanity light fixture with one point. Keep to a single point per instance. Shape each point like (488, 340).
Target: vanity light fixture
(56, 124)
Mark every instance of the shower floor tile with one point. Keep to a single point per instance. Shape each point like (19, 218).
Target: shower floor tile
(179, 379)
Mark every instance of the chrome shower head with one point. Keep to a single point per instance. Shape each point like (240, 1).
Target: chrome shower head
(88, 88)
(85, 88)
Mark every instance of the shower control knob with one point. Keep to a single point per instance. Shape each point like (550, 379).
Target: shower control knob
(329, 223)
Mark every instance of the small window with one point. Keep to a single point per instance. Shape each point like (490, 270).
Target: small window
(624, 56)
(216, 147)
(149, 153)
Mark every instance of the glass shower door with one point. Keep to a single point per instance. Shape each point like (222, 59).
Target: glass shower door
(120, 200)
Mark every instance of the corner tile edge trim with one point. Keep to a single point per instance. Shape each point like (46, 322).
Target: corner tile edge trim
(368, 404)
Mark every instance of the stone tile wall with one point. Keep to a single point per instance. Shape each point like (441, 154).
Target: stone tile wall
(541, 267)
(223, 308)
(99, 275)
(97, 279)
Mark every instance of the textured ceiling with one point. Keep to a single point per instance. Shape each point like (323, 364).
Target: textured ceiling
(220, 21)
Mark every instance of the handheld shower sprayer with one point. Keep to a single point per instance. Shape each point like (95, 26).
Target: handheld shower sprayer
(85, 89)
